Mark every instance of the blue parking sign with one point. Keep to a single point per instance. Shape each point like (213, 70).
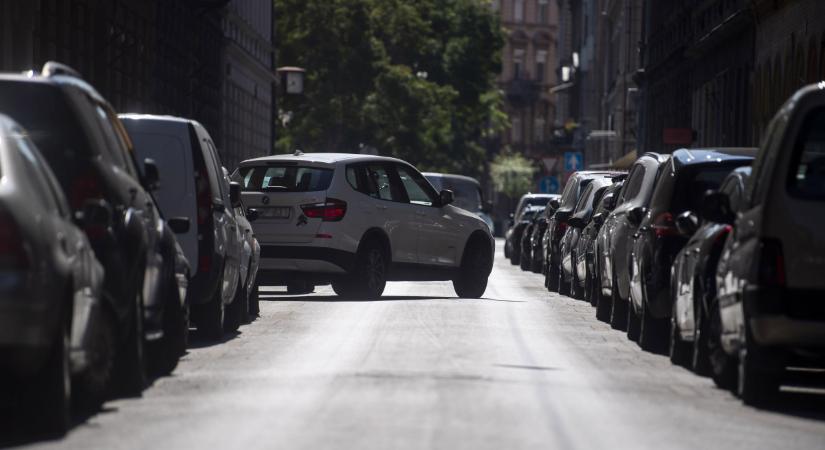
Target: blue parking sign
(573, 161)
(549, 185)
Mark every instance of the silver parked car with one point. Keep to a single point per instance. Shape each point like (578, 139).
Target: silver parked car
(48, 330)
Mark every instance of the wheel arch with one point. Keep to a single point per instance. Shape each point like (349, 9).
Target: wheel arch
(379, 235)
(479, 238)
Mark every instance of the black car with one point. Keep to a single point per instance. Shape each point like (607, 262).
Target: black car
(682, 186)
(585, 263)
(569, 284)
(512, 237)
(87, 147)
(621, 224)
(536, 240)
(557, 225)
(693, 283)
(516, 232)
(526, 258)
(770, 282)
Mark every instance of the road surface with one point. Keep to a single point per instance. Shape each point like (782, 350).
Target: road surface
(418, 369)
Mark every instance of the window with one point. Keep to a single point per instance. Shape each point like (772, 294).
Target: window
(807, 176)
(541, 61)
(634, 184)
(419, 191)
(515, 130)
(543, 16)
(518, 10)
(518, 63)
(285, 178)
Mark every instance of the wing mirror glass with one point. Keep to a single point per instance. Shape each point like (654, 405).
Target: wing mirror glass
(151, 175)
(251, 214)
(554, 203)
(446, 196)
(716, 208)
(598, 219)
(687, 223)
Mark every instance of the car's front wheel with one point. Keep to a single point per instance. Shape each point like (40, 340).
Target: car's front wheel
(471, 281)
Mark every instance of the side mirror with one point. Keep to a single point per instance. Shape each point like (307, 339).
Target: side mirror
(598, 219)
(687, 223)
(609, 201)
(151, 175)
(576, 222)
(251, 214)
(716, 208)
(562, 216)
(554, 203)
(636, 215)
(446, 197)
(95, 213)
(235, 193)
(179, 225)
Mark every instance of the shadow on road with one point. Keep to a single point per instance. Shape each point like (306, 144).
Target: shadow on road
(197, 340)
(335, 298)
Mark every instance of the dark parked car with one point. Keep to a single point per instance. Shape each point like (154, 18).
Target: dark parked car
(621, 224)
(50, 289)
(584, 266)
(557, 225)
(682, 186)
(537, 240)
(516, 232)
(511, 242)
(87, 147)
(693, 283)
(770, 276)
(526, 258)
(568, 283)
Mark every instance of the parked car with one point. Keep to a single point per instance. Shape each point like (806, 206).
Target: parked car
(359, 221)
(618, 229)
(557, 225)
(586, 249)
(769, 278)
(517, 231)
(510, 241)
(195, 189)
(688, 175)
(693, 278)
(570, 283)
(90, 153)
(250, 255)
(47, 329)
(536, 239)
(467, 194)
(526, 256)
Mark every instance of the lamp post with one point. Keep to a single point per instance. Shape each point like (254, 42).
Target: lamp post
(290, 82)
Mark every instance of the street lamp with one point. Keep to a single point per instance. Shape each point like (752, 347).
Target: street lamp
(292, 79)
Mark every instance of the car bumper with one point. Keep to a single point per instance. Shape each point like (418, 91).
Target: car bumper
(784, 331)
(786, 317)
(306, 259)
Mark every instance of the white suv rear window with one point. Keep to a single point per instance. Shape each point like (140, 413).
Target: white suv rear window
(285, 178)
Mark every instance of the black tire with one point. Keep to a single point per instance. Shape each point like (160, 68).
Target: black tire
(700, 362)
(634, 323)
(471, 281)
(722, 365)
(236, 311)
(535, 265)
(209, 316)
(604, 307)
(618, 311)
(514, 258)
(370, 277)
(343, 288)
(300, 287)
(679, 351)
(506, 250)
(525, 261)
(254, 302)
(653, 332)
(130, 364)
(49, 408)
(163, 354)
(758, 376)
(563, 287)
(589, 292)
(94, 384)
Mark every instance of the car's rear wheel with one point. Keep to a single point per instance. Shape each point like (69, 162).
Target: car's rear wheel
(130, 363)
(700, 363)
(722, 365)
(94, 383)
(679, 351)
(758, 376)
(653, 332)
(209, 316)
(618, 311)
(164, 354)
(562, 286)
(526, 259)
(254, 302)
(343, 288)
(370, 277)
(471, 281)
(634, 323)
(237, 311)
(50, 404)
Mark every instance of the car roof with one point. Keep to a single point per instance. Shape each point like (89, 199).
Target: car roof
(326, 158)
(540, 196)
(686, 157)
(160, 118)
(54, 80)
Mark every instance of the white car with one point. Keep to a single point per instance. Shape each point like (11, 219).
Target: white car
(359, 221)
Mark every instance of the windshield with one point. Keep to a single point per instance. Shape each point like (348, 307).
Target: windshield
(467, 194)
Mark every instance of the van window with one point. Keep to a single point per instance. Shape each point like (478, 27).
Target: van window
(807, 171)
(285, 178)
(168, 152)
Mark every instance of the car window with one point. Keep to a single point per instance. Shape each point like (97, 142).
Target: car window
(807, 173)
(585, 199)
(113, 145)
(285, 178)
(467, 194)
(379, 184)
(34, 175)
(732, 189)
(418, 189)
(634, 184)
(52, 184)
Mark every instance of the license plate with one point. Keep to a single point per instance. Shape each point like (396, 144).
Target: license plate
(276, 213)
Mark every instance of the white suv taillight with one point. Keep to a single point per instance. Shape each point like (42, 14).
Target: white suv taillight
(332, 210)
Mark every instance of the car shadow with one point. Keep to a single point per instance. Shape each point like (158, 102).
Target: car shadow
(197, 340)
(278, 297)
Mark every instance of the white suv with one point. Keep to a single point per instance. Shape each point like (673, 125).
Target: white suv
(358, 221)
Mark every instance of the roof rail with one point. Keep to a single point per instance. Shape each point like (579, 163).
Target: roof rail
(52, 68)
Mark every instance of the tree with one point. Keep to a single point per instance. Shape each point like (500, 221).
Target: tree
(512, 174)
(415, 80)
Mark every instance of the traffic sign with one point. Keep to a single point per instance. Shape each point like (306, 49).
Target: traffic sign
(549, 185)
(573, 161)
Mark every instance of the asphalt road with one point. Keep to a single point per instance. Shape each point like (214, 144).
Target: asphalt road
(420, 368)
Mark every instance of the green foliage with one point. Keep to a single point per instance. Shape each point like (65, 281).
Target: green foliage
(415, 80)
(512, 174)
